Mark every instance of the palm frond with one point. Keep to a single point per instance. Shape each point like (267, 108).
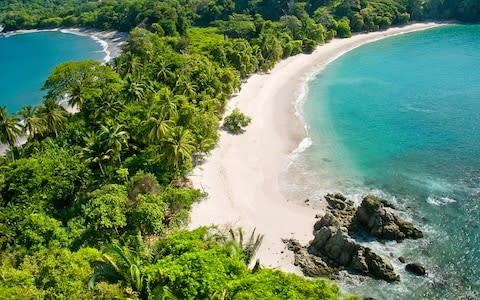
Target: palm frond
(136, 278)
(163, 293)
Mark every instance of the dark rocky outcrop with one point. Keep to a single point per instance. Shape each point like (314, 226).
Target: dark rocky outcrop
(334, 248)
(341, 208)
(382, 223)
(380, 266)
(334, 242)
(415, 268)
(311, 265)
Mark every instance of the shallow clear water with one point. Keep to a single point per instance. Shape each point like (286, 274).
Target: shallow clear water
(401, 118)
(26, 60)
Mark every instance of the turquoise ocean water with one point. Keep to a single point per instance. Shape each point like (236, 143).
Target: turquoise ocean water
(401, 118)
(26, 60)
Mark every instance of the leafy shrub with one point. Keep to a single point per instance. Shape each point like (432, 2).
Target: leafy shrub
(39, 230)
(309, 46)
(59, 273)
(331, 35)
(52, 177)
(273, 284)
(236, 121)
(343, 28)
(105, 211)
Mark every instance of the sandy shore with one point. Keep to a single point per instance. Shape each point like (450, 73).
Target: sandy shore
(242, 174)
(110, 40)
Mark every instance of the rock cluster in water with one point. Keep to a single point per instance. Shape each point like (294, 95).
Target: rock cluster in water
(333, 247)
(382, 223)
(416, 269)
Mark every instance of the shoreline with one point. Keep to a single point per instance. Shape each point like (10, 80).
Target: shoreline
(242, 174)
(110, 40)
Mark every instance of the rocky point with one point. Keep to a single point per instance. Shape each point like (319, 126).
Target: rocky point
(333, 248)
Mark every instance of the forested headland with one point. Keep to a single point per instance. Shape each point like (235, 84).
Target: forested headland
(94, 204)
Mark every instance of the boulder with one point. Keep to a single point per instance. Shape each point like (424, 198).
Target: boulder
(382, 223)
(415, 268)
(341, 208)
(311, 265)
(293, 245)
(326, 221)
(322, 236)
(380, 266)
(408, 229)
(335, 245)
(358, 262)
(340, 196)
(340, 247)
(401, 259)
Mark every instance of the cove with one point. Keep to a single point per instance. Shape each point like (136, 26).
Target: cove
(26, 60)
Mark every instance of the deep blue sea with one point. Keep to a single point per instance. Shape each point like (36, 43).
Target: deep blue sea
(26, 60)
(400, 118)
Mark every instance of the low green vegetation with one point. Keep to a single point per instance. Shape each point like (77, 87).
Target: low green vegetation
(236, 122)
(94, 204)
(182, 265)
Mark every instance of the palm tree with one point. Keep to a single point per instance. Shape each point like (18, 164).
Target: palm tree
(53, 115)
(33, 124)
(135, 89)
(167, 102)
(127, 64)
(94, 152)
(163, 72)
(180, 146)
(185, 87)
(107, 106)
(77, 96)
(10, 129)
(157, 129)
(121, 264)
(114, 139)
(246, 250)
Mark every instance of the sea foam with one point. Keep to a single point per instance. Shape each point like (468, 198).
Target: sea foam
(104, 45)
(440, 201)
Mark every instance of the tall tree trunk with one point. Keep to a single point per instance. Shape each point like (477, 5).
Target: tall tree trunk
(101, 168)
(12, 152)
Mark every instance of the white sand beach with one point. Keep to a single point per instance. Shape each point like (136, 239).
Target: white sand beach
(110, 40)
(241, 176)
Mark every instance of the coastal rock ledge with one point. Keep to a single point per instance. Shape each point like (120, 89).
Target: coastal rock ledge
(333, 247)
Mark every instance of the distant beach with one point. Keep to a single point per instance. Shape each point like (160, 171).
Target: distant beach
(242, 174)
(110, 40)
